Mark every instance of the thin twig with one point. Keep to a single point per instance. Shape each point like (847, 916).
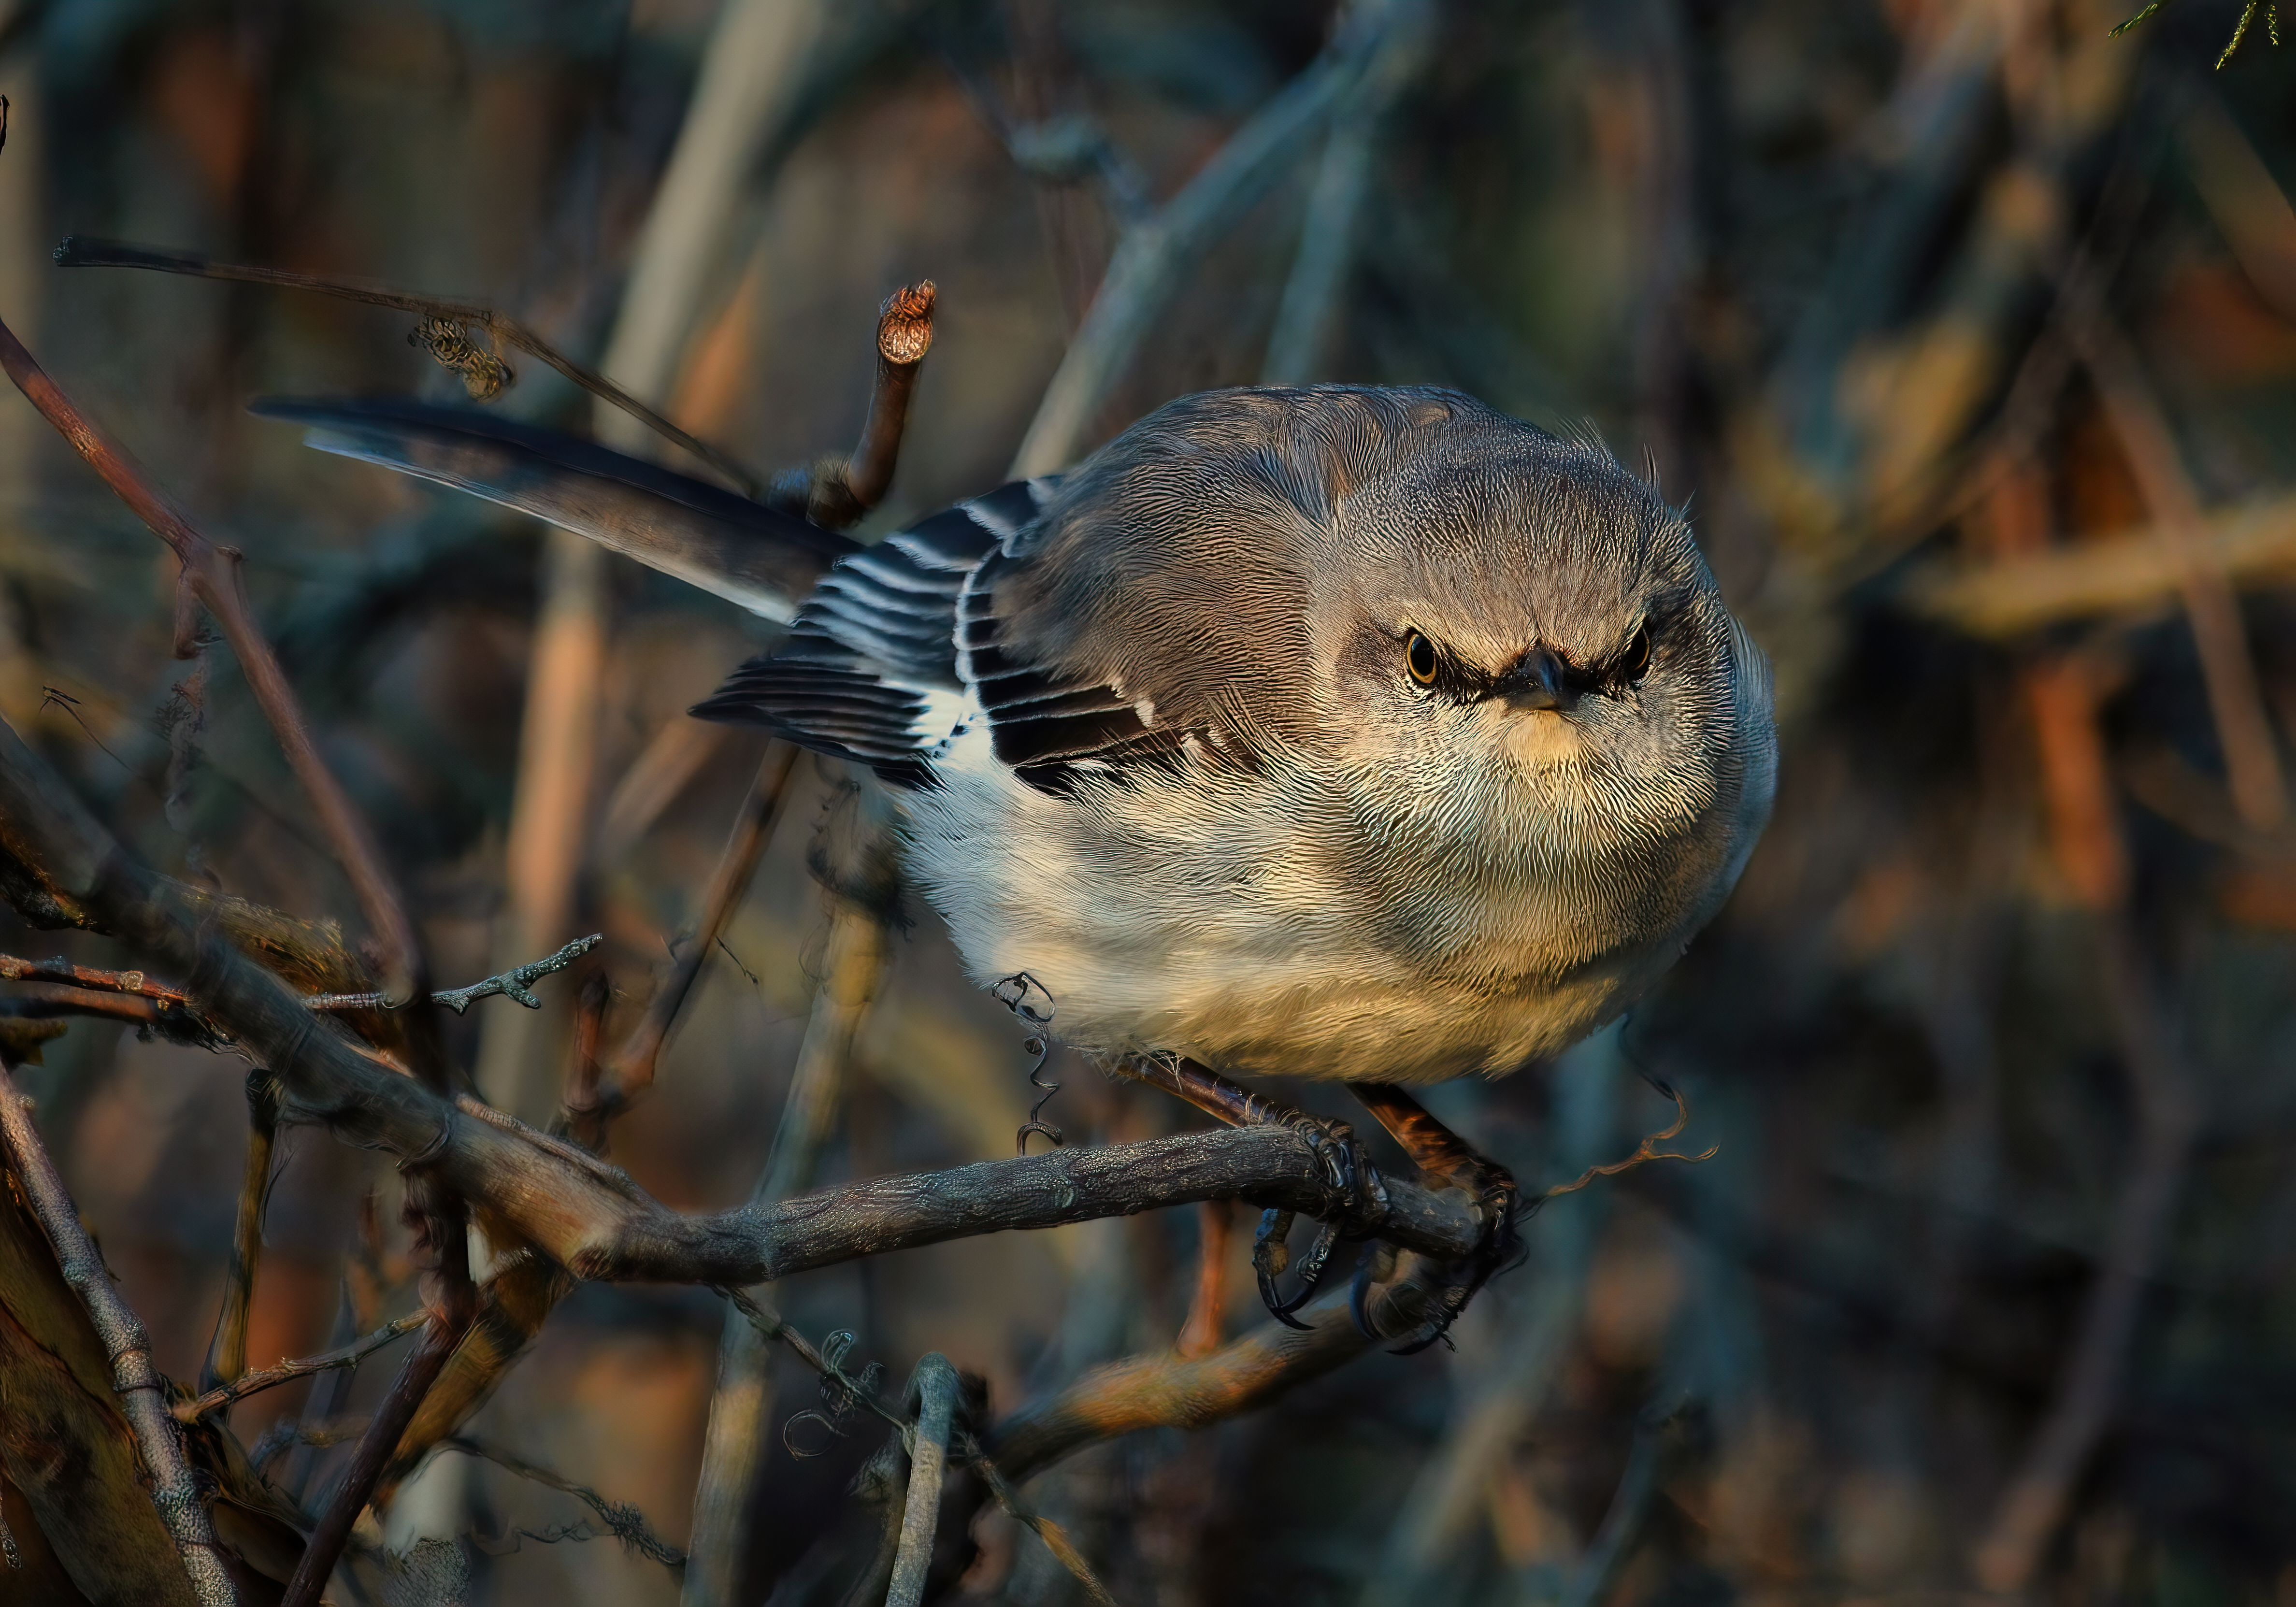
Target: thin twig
(60, 970)
(1155, 255)
(2037, 1499)
(733, 1447)
(287, 1372)
(1622, 1524)
(436, 310)
(212, 579)
(448, 1321)
(513, 984)
(622, 1520)
(142, 1393)
(632, 1068)
(1645, 1151)
(1328, 234)
(934, 1390)
(226, 1357)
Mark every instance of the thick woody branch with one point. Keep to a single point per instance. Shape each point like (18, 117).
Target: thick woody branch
(586, 1214)
(142, 1394)
(211, 578)
(934, 1391)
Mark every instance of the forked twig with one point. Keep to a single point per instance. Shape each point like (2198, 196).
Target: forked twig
(142, 1393)
(211, 579)
(855, 1392)
(444, 321)
(288, 1372)
(512, 984)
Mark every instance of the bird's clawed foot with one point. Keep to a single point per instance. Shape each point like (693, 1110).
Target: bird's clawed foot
(1445, 1160)
(1351, 1183)
(1353, 1194)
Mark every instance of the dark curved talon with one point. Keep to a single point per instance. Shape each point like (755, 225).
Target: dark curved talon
(1270, 1256)
(1500, 1250)
(1359, 1294)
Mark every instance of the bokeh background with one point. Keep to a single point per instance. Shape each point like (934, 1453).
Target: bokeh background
(1965, 329)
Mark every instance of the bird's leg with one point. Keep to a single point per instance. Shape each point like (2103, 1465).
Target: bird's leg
(1347, 1171)
(1445, 1160)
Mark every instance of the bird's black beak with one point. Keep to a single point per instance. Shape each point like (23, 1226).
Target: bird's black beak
(1538, 681)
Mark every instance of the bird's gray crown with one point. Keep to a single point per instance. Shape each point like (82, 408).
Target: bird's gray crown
(1241, 555)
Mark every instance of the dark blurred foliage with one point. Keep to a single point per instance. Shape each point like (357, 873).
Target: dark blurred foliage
(2011, 962)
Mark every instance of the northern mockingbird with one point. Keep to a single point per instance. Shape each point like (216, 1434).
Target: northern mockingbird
(1337, 733)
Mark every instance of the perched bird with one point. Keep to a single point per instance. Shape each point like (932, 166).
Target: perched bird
(1336, 733)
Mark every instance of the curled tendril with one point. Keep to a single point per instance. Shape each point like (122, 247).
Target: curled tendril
(841, 1397)
(1647, 1150)
(1013, 992)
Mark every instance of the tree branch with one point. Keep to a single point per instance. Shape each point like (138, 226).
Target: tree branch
(733, 1446)
(633, 1066)
(287, 1372)
(211, 576)
(449, 1319)
(142, 1394)
(933, 1390)
(587, 1215)
(435, 311)
(226, 1357)
(513, 984)
(1156, 253)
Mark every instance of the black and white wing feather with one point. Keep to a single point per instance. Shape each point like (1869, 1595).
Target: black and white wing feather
(871, 672)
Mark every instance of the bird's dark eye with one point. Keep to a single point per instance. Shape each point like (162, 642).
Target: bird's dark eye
(1419, 658)
(1636, 661)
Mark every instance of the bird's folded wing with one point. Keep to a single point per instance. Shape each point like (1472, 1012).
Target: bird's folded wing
(762, 559)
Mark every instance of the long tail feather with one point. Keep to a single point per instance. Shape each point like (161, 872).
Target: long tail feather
(759, 557)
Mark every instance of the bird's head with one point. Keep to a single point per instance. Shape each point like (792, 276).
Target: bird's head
(1523, 655)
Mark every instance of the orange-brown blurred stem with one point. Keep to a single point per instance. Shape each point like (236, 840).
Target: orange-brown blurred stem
(2064, 694)
(1200, 1335)
(2252, 759)
(226, 1357)
(211, 579)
